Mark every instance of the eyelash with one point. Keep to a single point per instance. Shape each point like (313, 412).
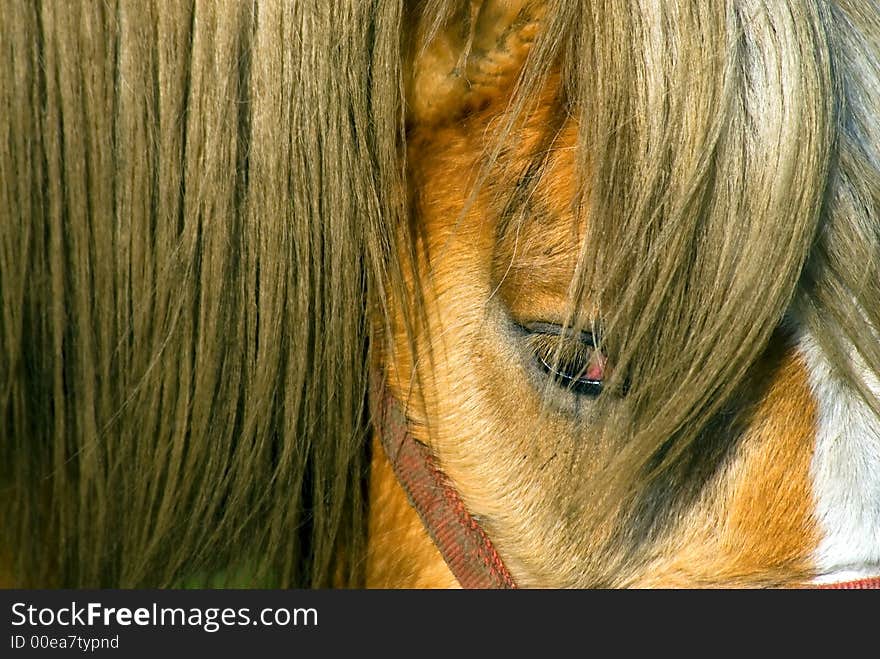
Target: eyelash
(573, 363)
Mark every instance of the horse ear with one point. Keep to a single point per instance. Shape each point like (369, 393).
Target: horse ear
(473, 58)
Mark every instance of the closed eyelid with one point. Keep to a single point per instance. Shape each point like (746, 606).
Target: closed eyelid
(574, 365)
(551, 329)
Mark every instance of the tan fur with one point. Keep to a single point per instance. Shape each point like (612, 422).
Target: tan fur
(755, 526)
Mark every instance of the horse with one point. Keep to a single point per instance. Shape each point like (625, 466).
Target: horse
(440, 294)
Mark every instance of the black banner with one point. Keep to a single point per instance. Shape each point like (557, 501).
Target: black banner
(403, 623)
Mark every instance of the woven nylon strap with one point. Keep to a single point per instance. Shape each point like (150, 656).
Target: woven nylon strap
(872, 583)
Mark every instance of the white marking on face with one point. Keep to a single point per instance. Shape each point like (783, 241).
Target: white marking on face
(845, 471)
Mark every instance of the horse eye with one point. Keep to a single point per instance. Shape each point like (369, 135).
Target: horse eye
(574, 363)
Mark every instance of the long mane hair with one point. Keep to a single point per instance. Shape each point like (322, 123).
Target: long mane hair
(204, 214)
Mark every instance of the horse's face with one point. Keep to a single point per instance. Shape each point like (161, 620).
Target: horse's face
(518, 448)
(527, 448)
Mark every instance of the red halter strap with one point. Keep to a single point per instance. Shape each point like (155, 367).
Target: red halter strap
(871, 583)
(464, 545)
